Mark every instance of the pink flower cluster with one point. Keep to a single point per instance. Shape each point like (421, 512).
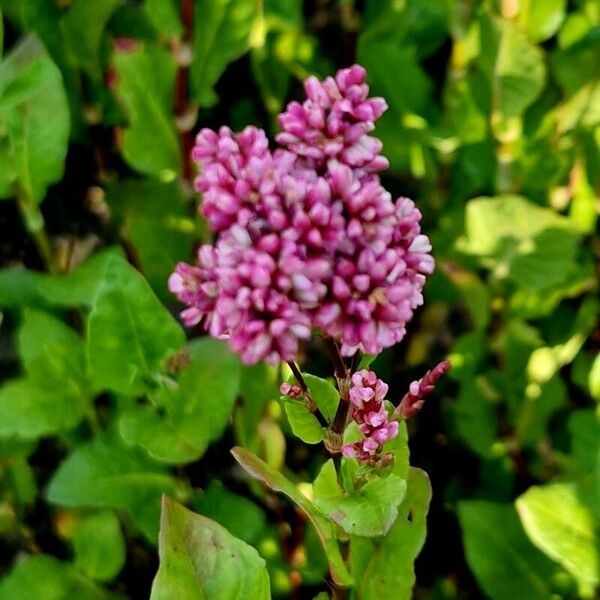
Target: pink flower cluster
(368, 411)
(307, 237)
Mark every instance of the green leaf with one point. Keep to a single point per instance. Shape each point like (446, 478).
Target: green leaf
(191, 413)
(502, 558)
(474, 415)
(99, 546)
(515, 84)
(201, 560)
(145, 85)
(385, 568)
(278, 483)
(369, 511)
(129, 332)
(304, 424)
(52, 353)
(541, 19)
(35, 116)
(105, 473)
(561, 526)
(222, 32)
(324, 393)
(28, 410)
(531, 245)
(149, 210)
(259, 384)
(578, 64)
(53, 397)
(240, 516)
(584, 427)
(92, 18)
(21, 287)
(164, 16)
(43, 576)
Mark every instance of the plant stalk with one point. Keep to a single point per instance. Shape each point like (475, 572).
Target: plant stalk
(34, 223)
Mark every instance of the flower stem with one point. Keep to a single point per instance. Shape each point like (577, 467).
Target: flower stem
(307, 395)
(34, 223)
(342, 375)
(298, 375)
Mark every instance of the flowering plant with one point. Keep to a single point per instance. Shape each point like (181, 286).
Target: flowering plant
(308, 242)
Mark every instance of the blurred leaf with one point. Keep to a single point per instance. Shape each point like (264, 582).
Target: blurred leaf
(91, 18)
(53, 396)
(278, 483)
(164, 16)
(22, 480)
(222, 32)
(474, 415)
(540, 403)
(99, 546)
(240, 516)
(594, 379)
(21, 287)
(502, 558)
(369, 511)
(258, 385)
(579, 63)
(202, 560)
(145, 85)
(466, 109)
(52, 353)
(190, 413)
(30, 411)
(104, 473)
(559, 524)
(531, 245)
(129, 332)
(385, 568)
(45, 19)
(515, 84)
(541, 19)
(43, 576)
(35, 116)
(395, 74)
(584, 427)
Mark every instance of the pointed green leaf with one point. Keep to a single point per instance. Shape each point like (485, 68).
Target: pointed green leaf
(515, 83)
(324, 393)
(201, 560)
(34, 113)
(105, 473)
(385, 568)
(222, 32)
(304, 424)
(145, 85)
(53, 396)
(369, 511)
(325, 529)
(91, 17)
(129, 331)
(191, 412)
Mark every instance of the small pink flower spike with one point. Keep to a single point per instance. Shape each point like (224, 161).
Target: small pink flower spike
(413, 401)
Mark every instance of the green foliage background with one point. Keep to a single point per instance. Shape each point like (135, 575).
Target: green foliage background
(494, 129)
